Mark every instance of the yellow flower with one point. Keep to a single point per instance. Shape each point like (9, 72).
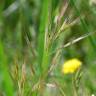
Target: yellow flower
(71, 66)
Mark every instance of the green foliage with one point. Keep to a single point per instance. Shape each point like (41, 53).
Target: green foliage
(6, 82)
(36, 37)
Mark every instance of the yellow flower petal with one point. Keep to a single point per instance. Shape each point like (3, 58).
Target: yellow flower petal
(71, 66)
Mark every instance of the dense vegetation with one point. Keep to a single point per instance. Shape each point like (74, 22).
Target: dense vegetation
(37, 37)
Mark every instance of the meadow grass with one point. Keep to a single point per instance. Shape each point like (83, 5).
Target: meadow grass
(39, 39)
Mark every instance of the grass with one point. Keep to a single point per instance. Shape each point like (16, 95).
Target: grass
(37, 37)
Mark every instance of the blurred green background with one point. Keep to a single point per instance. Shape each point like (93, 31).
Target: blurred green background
(32, 38)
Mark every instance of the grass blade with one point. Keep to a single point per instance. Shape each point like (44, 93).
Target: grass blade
(42, 28)
(6, 82)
